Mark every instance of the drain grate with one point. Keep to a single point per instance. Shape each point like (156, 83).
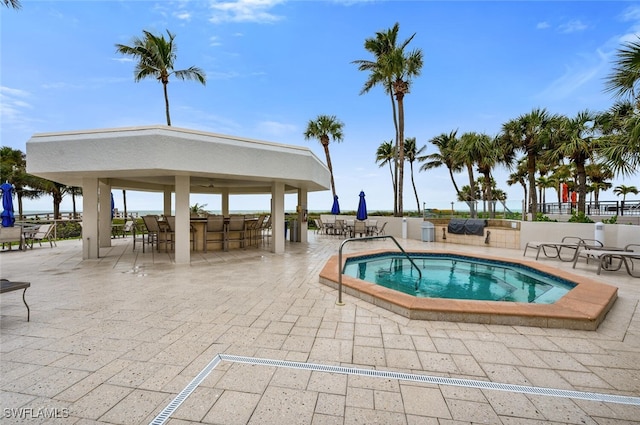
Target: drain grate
(436, 380)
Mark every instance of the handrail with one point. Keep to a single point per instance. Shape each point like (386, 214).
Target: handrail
(367, 238)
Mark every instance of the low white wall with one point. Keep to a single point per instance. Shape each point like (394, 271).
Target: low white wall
(614, 234)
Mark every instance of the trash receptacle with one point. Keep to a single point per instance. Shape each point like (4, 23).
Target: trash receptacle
(428, 231)
(293, 231)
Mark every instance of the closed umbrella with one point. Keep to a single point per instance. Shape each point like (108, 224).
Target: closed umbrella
(8, 218)
(362, 208)
(113, 206)
(335, 209)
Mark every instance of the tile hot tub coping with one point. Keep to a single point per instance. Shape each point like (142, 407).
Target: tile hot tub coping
(583, 307)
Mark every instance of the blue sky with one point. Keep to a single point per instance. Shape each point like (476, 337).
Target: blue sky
(272, 65)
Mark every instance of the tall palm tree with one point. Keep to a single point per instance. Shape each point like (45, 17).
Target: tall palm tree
(520, 176)
(529, 133)
(470, 151)
(395, 68)
(386, 154)
(156, 56)
(411, 153)
(324, 128)
(446, 145)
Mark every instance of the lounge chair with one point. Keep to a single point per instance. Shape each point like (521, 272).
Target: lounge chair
(555, 249)
(44, 233)
(605, 257)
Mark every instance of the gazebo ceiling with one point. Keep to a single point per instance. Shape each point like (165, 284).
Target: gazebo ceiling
(149, 158)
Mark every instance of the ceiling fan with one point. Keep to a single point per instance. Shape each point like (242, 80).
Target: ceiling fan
(208, 186)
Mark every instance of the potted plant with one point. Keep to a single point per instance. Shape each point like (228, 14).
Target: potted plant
(198, 210)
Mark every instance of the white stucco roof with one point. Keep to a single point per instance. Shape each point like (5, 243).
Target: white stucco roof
(148, 158)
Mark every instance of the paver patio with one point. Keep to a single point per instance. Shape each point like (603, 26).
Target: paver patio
(115, 340)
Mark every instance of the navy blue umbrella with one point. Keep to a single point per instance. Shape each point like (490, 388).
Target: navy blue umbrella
(335, 209)
(113, 205)
(362, 208)
(7, 205)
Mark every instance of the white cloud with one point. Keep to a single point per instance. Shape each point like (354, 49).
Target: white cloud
(214, 41)
(276, 129)
(183, 16)
(572, 26)
(258, 11)
(13, 106)
(543, 25)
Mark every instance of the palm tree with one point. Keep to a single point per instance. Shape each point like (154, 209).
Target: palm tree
(520, 176)
(446, 145)
(394, 68)
(386, 154)
(411, 154)
(529, 133)
(156, 56)
(624, 191)
(575, 142)
(324, 128)
(599, 174)
(626, 72)
(469, 151)
(12, 3)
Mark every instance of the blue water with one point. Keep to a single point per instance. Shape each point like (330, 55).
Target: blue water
(458, 277)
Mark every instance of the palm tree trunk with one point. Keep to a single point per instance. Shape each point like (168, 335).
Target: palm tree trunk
(489, 194)
(531, 170)
(395, 161)
(453, 180)
(166, 103)
(325, 145)
(582, 187)
(124, 200)
(400, 174)
(393, 181)
(415, 191)
(472, 191)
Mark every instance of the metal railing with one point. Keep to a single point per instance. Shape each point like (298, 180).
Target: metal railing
(368, 238)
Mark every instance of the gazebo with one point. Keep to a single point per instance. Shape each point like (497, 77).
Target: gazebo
(173, 160)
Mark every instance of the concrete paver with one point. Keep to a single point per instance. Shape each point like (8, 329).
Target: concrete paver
(114, 340)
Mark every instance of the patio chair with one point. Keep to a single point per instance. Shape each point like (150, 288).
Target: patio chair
(171, 230)
(153, 230)
(339, 227)
(254, 229)
(359, 227)
(128, 227)
(379, 231)
(44, 233)
(236, 231)
(215, 231)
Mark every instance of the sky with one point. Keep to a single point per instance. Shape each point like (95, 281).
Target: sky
(273, 65)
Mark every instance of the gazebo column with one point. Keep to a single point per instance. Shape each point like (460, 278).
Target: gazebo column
(183, 247)
(225, 202)
(166, 201)
(302, 209)
(104, 214)
(277, 217)
(89, 218)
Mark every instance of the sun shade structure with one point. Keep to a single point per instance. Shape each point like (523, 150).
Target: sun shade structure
(172, 160)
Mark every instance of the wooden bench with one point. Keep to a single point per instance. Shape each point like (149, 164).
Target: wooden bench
(8, 286)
